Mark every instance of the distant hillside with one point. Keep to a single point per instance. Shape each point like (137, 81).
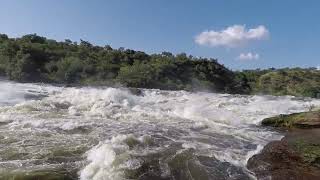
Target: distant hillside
(33, 58)
(295, 81)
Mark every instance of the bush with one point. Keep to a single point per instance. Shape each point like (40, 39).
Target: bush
(69, 70)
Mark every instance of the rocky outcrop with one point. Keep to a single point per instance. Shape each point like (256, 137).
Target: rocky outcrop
(279, 161)
(297, 155)
(298, 120)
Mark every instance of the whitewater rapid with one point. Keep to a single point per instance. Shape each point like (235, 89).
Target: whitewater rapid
(109, 133)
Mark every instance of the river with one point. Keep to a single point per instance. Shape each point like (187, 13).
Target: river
(102, 133)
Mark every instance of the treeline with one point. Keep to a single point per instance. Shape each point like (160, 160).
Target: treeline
(294, 81)
(33, 58)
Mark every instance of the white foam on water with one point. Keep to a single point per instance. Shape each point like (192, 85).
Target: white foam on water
(108, 158)
(12, 93)
(217, 125)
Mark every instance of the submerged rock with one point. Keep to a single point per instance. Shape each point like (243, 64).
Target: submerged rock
(185, 165)
(136, 91)
(39, 175)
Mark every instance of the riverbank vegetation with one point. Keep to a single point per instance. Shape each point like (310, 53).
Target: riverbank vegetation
(295, 81)
(33, 58)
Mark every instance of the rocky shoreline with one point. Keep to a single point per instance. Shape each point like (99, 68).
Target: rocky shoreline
(297, 155)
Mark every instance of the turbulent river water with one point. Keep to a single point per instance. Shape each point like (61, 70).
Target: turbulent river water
(109, 133)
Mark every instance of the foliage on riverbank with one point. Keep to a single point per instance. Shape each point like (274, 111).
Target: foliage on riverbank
(295, 81)
(33, 58)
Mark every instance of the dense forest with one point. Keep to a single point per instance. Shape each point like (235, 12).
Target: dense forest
(33, 58)
(294, 81)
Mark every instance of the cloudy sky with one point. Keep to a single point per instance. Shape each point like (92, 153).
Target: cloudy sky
(242, 34)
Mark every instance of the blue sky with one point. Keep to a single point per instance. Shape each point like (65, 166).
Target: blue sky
(274, 33)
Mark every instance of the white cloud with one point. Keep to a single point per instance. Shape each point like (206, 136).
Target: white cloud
(232, 36)
(318, 68)
(248, 56)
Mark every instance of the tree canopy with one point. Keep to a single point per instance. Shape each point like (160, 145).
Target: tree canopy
(33, 58)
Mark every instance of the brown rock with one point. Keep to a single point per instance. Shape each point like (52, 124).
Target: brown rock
(278, 161)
